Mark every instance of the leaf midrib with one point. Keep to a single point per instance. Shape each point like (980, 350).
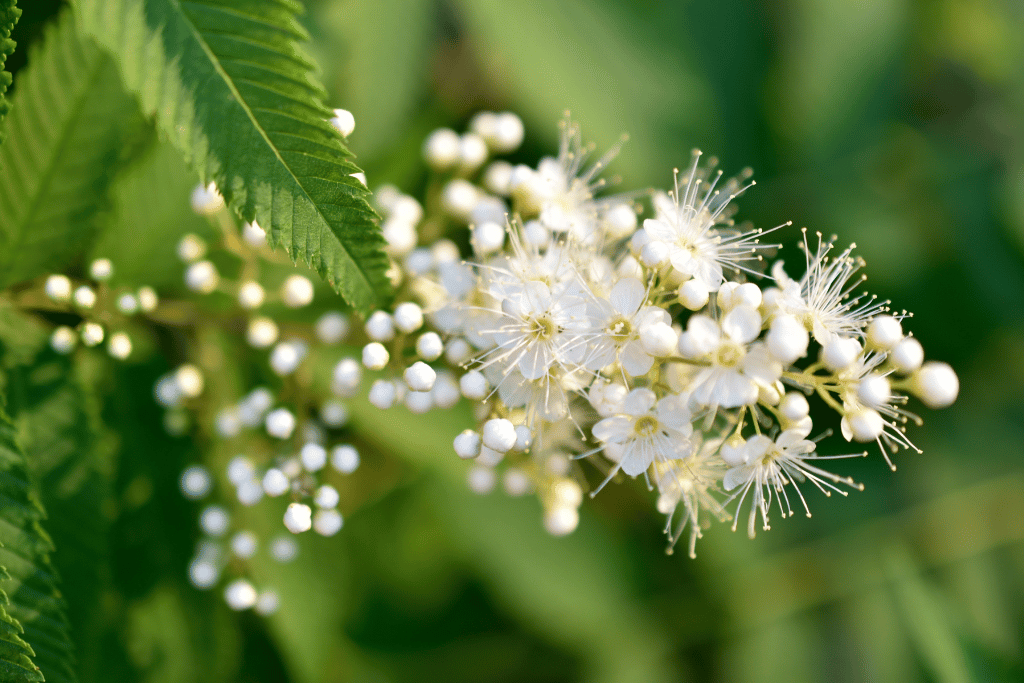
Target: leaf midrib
(59, 149)
(252, 117)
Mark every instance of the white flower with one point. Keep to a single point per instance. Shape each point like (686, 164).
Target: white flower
(822, 299)
(646, 430)
(735, 368)
(768, 466)
(695, 226)
(690, 481)
(617, 322)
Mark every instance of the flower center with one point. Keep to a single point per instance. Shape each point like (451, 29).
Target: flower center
(645, 426)
(620, 329)
(544, 328)
(729, 354)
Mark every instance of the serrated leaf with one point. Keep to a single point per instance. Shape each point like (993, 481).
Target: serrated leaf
(31, 586)
(231, 88)
(9, 15)
(71, 127)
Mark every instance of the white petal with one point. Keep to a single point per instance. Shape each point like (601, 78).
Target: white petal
(735, 390)
(635, 361)
(637, 461)
(737, 476)
(613, 429)
(660, 230)
(742, 324)
(639, 402)
(627, 295)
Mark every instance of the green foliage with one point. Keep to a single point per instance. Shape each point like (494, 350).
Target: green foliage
(35, 602)
(71, 129)
(231, 88)
(8, 18)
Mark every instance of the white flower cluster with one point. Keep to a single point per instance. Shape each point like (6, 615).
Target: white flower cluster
(658, 347)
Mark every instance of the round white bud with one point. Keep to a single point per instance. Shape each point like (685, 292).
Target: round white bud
(865, 424)
(936, 384)
(654, 253)
(63, 340)
(280, 423)
(191, 248)
(472, 151)
(327, 522)
(561, 520)
(524, 438)
(419, 376)
(285, 358)
(907, 355)
(101, 269)
(326, 497)
(240, 469)
(488, 238)
(346, 378)
(481, 479)
(254, 235)
(734, 452)
(240, 595)
(874, 391)
(498, 177)
(429, 346)
(249, 493)
(884, 332)
(298, 518)
(343, 121)
(58, 288)
(203, 573)
(474, 385)
(499, 434)
(334, 413)
(567, 493)
(244, 544)
(467, 444)
(383, 394)
(375, 356)
(508, 133)
(85, 297)
(418, 402)
(250, 295)
(313, 457)
(658, 339)
(261, 333)
(457, 351)
(127, 304)
(344, 459)
(267, 603)
(516, 482)
(787, 339)
(284, 549)
(119, 346)
(148, 300)
(276, 483)
(207, 200)
(195, 482)
(380, 327)
(442, 149)
(190, 380)
(202, 277)
(446, 391)
(794, 406)
(747, 294)
(214, 520)
(297, 291)
(620, 221)
(331, 327)
(694, 294)
(92, 334)
(408, 317)
(459, 197)
(839, 353)
(536, 234)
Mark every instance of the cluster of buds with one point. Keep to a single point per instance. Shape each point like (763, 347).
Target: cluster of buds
(104, 311)
(655, 348)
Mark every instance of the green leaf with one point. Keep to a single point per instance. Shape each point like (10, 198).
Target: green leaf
(31, 584)
(231, 88)
(69, 132)
(8, 18)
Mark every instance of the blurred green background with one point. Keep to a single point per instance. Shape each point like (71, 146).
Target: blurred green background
(897, 124)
